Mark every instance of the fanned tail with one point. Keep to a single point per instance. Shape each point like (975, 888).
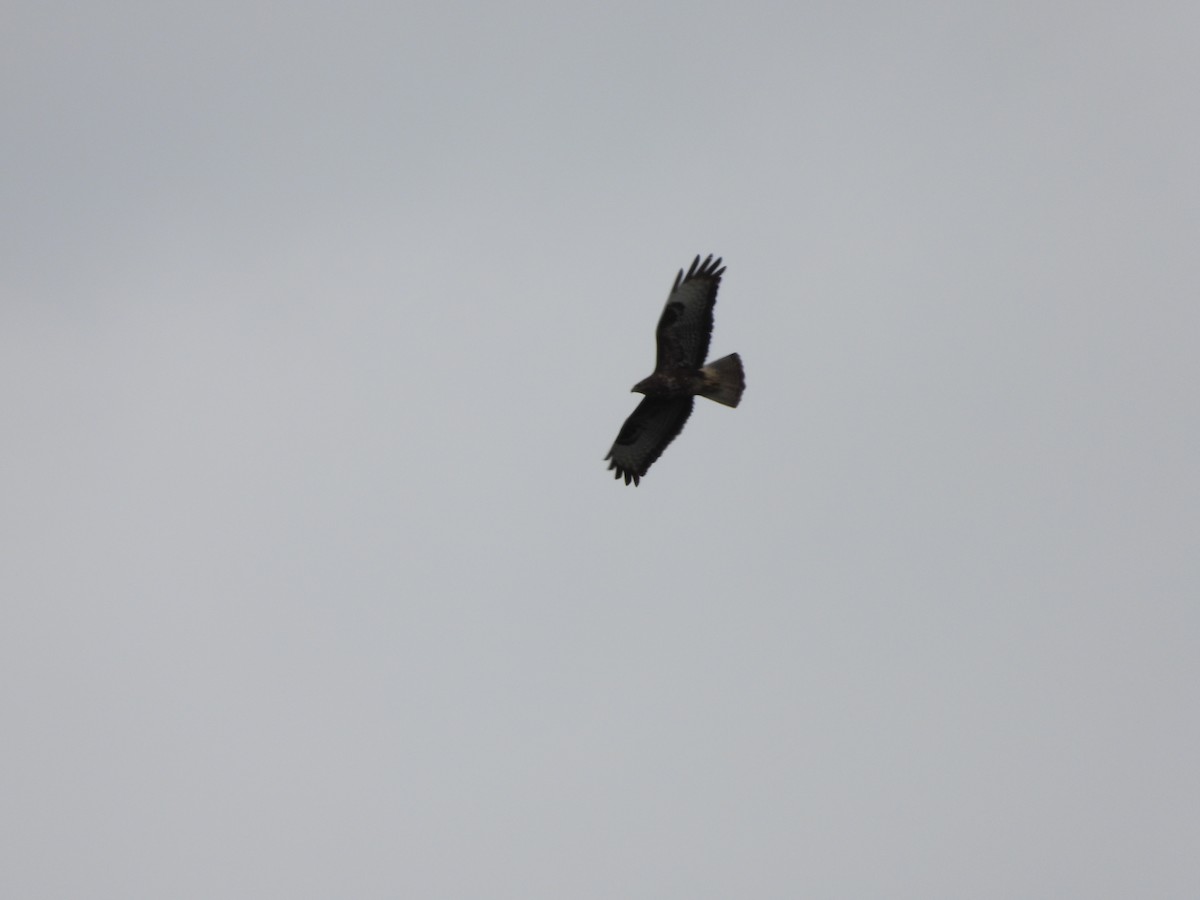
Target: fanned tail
(724, 380)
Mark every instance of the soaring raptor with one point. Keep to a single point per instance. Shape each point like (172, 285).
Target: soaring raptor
(679, 373)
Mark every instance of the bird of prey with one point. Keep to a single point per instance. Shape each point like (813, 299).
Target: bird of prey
(679, 373)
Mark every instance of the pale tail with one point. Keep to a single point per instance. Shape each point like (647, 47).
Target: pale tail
(724, 380)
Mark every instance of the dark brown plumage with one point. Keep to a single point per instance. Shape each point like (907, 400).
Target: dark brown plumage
(680, 375)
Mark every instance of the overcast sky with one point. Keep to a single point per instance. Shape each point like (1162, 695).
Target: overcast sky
(317, 321)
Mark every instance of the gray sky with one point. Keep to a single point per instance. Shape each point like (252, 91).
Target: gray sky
(316, 325)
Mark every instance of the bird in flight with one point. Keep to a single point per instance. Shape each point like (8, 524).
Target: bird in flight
(679, 375)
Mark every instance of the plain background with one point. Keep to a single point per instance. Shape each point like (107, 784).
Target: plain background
(316, 321)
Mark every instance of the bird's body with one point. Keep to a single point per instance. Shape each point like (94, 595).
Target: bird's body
(679, 374)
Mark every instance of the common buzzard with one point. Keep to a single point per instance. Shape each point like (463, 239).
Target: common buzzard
(679, 373)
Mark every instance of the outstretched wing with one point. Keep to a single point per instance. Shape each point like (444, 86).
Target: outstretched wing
(687, 320)
(646, 434)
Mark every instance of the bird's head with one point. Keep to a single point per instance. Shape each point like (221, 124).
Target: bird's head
(647, 386)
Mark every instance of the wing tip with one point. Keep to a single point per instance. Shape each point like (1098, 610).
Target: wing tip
(710, 268)
(620, 472)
